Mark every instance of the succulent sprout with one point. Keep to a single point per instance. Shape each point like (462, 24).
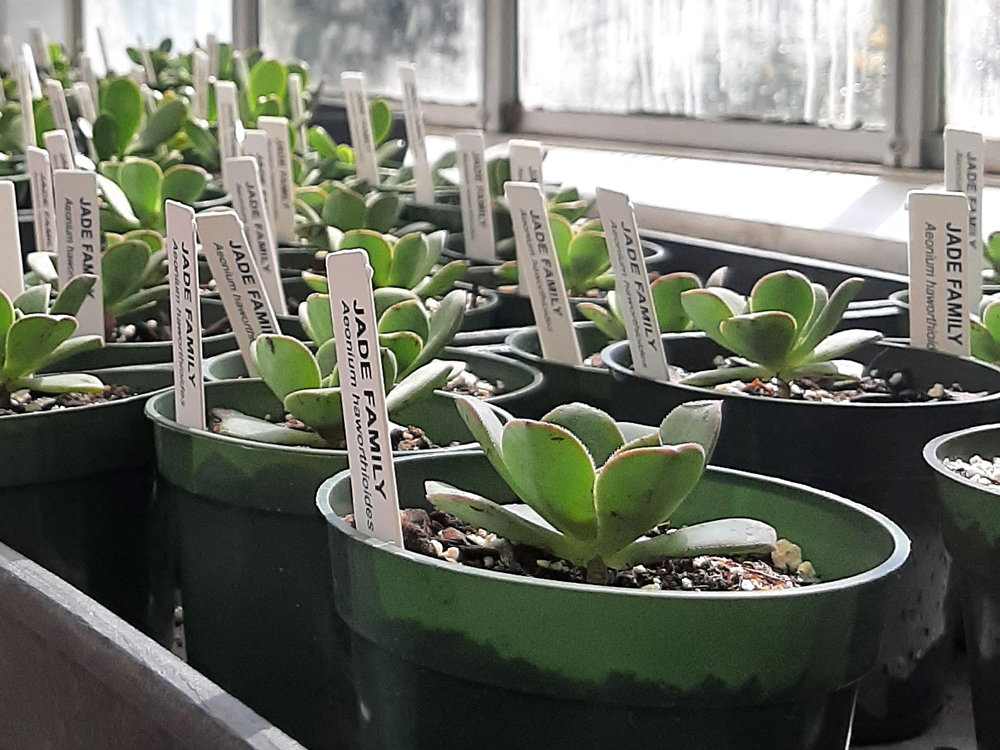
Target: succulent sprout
(666, 295)
(31, 342)
(308, 383)
(985, 332)
(406, 263)
(591, 496)
(784, 330)
(328, 160)
(343, 207)
(133, 192)
(122, 128)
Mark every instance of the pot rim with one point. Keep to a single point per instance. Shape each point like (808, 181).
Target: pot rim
(613, 349)
(934, 458)
(893, 562)
(535, 359)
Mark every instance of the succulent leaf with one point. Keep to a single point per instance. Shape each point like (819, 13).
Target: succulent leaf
(408, 257)
(763, 337)
(317, 318)
(238, 425)
(122, 270)
(34, 299)
(379, 253)
(487, 430)
(62, 383)
(320, 409)
(784, 291)
(602, 317)
(405, 346)
(707, 309)
(726, 537)
(285, 364)
(343, 208)
(381, 211)
(441, 281)
(706, 378)
(417, 386)
(596, 430)
(72, 296)
(30, 341)
(693, 422)
(445, 322)
(410, 315)
(70, 348)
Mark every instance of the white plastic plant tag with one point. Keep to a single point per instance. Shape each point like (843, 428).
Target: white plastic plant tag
(86, 101)
(9, 57)
(11, 268)
(298, 107)
(102, 43)
(78, 241)
(284, 183)
(3, 96)
(244, 187)
(28, 62)
(40, 47)
(526, 159)
(632, 288)
(258, 145)
(40, 169)
(230, 125)
(87, 73)
(138, 74)
(149, 97)
(199, 65)
(60, 113)
(240, 284)
(366, 420)
(474, 193)
(147, 63)
(185, 315)
(27, 107)
(360, 122)
(416, 133)
(964, 162)
(57, 144)
(939, 254)
(212, 43)
(536, 251)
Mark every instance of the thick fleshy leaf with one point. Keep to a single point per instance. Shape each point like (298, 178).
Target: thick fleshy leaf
(326, 358)
(487, 430)
(784, 291)
(381, 120)
(829, 318)
(667, 291)
(316, 318)
(122, 270)
(117, 204)
(314, 197)
(838, 344)
(444, 324)
(285, 364)
(707, 378)
(765, 338)
(237, 425)
(562, 236)
(607, 323)
(321, 142)
(316, 282)
(984, 346)
(142, 181)
(379, 253)
(406, 316)
(30, 340)
(388, 296)
(141, 300)
(820, 299)
(640, 488)
(267, 78)
(588, 258)
(152, 239)
(321, 409)
(381, 211)
(728, 537)
(436, 242)
(6, 320)
(343, 208)
(443, 280)
(156, 268)
(105, 130)
(390, 370)
(991, 319)
(718, 276)
(62, 383)
(554, 474)
(70, 348)
(595, 429)
(408, 256)
(184, 183)
(72, 296)
(163, 124)
(405, 345)
(417, 386)
(44, 265)
(707, 310)
(121, 100)
(34, 299)
(693, 422)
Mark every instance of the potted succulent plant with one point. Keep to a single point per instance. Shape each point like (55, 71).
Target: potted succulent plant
(796, 408)
(589, 558)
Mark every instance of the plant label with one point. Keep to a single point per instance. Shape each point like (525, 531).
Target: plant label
(360, 121)
(230, 125)
(284, 183)
(474, 193)
(40, 169)
(366, 420)
(241, 286)
(60, 113)
(78, 241)
(298, 108)
(85, 101)
(28, 63)
(138, 74)
(244, 186)
(258, 145)
(212, 43)
(3, 96)
(40, 47)
(416, 133)
(11, 268)
(57, 144)
(27, 107)
(185, 315)
(199, 71)
(104, 50)
(964, 162)
(632, 288)
(526, 160)
(9, 58)
(536, 252)
(939, 288)
(87, 72)
(147, 63)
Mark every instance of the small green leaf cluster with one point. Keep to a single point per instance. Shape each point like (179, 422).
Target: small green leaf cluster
(327, 160)
(133, 192)
(991, 251)
(784, 330)
(984, 332)
(343, 206)
(591, 494)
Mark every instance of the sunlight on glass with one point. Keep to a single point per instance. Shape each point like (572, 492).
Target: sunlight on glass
(815, 61)
(972, 65)
(443, 37)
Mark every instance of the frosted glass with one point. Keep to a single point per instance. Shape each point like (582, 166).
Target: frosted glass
(972, 65)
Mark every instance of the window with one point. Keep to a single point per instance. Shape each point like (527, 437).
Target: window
(443, 37)
(123, 21)
(972, 65)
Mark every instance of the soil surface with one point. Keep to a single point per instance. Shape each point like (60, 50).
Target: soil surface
(982, 471)
(470, 384)
(29, 402)
(443, 536)
(157, 329)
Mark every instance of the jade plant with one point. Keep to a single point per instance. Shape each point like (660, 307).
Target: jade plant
(592, 496)
(343, 206)
(133, 192)
(32, 342)
(785, 330)
(328, 160)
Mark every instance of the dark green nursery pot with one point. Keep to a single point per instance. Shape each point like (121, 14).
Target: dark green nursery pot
(971, 521)
(76, 496)
(590, 666)
(254, 564)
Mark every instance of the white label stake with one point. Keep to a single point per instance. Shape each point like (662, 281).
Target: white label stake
(360, 121)
(40, 46)
(11, 269)
(526, 159)
(366, 420)
(536, 251)
(212, 43)
(104, 50)
(233, 266)
(185, 314)
(230, 125)
(40, 169)
(416, 132)
(244, 186)
(85, 101)
(27, 107)
(147, 63)
(297, 104)
(60, 113)
(964, 162)
(87, 72)
(632, 288)
(258, 145)
(199, 65)
(7, 54)
(78, 239)
(57, 144)
(284, 184)
(939, 254)
(28, 63)
(474, 192)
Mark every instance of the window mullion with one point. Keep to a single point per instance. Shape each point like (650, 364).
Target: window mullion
(500, 100)
(913, 93)
(246, 24)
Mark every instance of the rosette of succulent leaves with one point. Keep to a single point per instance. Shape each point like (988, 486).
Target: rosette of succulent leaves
(409, 262)
(324, 212)
(133, 274)
(35, 334)
(666, 293)
(307, 382)
(593, 489)
(784, 330)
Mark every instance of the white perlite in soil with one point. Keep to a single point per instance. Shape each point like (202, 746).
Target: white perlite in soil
(980, 470)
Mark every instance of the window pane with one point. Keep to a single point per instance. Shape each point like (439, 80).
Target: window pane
(443, 37)
(972, 65)
(817, 61)
(123, 21)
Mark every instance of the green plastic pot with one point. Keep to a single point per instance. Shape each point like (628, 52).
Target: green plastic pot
(254, 564)
(971, 522)
(76, 496)
(591, 666)
(523, 383)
